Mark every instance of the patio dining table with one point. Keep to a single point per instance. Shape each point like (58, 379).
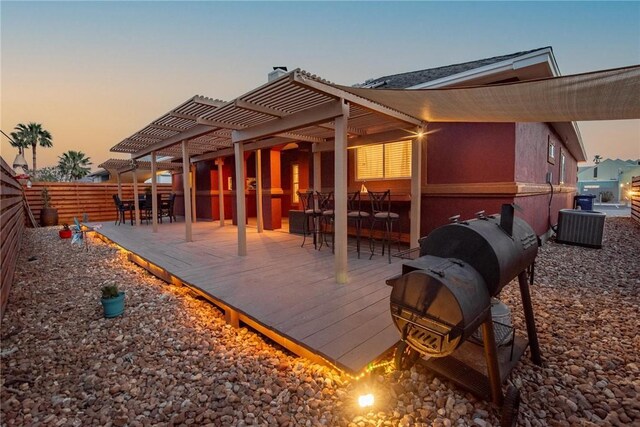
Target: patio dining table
(163, 203)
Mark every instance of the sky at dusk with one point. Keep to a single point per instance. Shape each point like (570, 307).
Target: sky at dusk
(93, 73)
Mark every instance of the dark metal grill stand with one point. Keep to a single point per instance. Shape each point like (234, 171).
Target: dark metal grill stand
(443, 297)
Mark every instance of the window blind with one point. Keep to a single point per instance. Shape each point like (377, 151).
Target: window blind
(384, 161)
(369, 162)
(397, 160)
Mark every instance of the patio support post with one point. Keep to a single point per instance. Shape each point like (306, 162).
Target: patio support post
(136, 202)
(317, 169)
(194, 215)
(154, 192)
(220, 162)
(187, 193)
(259, 218)
(241, 214)
(119, 186)
(340, 195)
(416, 193)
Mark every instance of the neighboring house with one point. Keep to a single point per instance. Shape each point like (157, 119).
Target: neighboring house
(613, 176)
(467, 167)
(105, 175)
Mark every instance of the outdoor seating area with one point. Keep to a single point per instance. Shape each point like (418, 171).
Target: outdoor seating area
(375, 215)
(145, 207)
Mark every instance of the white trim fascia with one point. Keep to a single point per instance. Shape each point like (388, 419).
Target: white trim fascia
(532, 58)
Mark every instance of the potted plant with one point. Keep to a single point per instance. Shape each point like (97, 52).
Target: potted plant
(65, 233)
(112, 301)
(48, 214)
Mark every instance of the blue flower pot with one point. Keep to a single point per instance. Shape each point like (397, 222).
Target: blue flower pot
(113, 307)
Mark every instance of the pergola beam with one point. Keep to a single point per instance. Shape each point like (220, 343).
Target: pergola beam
(208, 102)
(183, 116)
(217, 124)
(226, 152)
(265, 143)
(165, 127)
(351, 130)
(299, 79)
(321, 114)
(194, 132)
(245, 105)
(300, 137)
(378, 138)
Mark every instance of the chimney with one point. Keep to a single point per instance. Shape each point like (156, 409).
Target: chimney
(276, 73)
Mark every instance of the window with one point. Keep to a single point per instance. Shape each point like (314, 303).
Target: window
(551, 151)
(595, 172)
(562, 168)
(295, 182)
(384, 161)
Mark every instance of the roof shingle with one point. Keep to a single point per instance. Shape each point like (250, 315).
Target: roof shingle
(412, 78)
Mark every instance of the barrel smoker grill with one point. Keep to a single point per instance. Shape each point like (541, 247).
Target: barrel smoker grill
(444, 296)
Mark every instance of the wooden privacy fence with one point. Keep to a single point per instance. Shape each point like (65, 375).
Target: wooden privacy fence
(12, 221)
(76, 199)
(635, 198)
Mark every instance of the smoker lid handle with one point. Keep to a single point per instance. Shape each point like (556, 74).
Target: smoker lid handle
(392, 280)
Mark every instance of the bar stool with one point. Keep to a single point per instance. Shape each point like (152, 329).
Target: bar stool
(325, 204)
(354, 213)
(381, 212)
(311, 212)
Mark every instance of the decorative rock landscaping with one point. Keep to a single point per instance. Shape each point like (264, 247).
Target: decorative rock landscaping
(171, 359)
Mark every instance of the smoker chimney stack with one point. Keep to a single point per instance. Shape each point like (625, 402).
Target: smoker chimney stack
(277, 72)
(506, 218)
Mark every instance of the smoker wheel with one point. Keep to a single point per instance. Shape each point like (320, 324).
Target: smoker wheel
(405, 356)
(510, 407)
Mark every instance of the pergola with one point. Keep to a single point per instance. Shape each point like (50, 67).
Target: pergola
(295, 107)
(120, 166)
(302, 107)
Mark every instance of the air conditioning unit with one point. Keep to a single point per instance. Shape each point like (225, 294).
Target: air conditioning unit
(582, 228)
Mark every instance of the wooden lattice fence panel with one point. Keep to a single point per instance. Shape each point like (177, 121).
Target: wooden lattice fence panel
(77, 199)
(12, 222)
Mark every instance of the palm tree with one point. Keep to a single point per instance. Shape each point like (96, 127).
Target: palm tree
(32, 135)
(74, 165)
(17, 141)
(597, 158)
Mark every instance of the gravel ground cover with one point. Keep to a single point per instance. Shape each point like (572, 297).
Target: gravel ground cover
(171, 359)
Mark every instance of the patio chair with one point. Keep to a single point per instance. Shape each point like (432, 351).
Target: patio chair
(166, 208)
(357, 215)
(146, 207)
(325, 204)
(381, 213)
(121, 208)
(311, 214)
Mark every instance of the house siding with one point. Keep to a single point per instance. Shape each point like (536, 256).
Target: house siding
(470, 152)
(508, 154)
(531, 161)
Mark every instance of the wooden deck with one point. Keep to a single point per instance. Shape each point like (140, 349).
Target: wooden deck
(284, 291)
